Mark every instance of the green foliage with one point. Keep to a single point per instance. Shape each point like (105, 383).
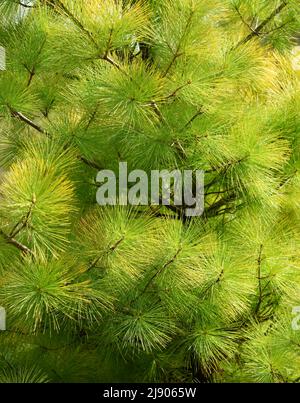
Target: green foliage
(97, 294)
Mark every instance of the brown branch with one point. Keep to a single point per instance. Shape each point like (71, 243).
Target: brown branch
(32, 70)
(243, 20)
(28, 121)
(177, 54)
(257, 31)
(213, 283)
(91, 119)
(174, 93)
(157, 273)
(277, 28)
(110, 250)
(31, 75)
(90, 163)
(198, 113)
(76, 22)
(158, 214)
(288, 179)
(109, 42)
(38, 128)
(175, 209)
(156, 110)
(225, 168)
(260, 296)
(48, 108)
(219, 192)
(24, 221)
(214, 208)
(89, 35)
(114, 63)
(16, 244)
(178, 146)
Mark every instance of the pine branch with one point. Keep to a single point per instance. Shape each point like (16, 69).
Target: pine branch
(174, 93)
(111, 249)
(146, 314)
(16, 244)
(198, 113)
(113, 63)
(38, 128)
(109, 42)
(90, 36)
(76, 21)
(257, 31)
(32, 70)
(90, 163)
(243, 19)
(28, 121)
(224, 169)
(157, 273)
(214, 209)
(106, 57)
(23, 223)
(177, 53)
(260, 291)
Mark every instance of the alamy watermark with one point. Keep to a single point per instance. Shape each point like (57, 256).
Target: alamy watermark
(296, 319)
(2, 318)
(137, 188)
(2, 58)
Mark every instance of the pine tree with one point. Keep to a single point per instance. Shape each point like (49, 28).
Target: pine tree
(145, 293)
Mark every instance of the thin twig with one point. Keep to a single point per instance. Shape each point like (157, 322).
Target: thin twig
(76, 22)
(25, 119)
(174, 93)
(90, 163)
(157, 273)
(243, 20)
(24, 221)
(260, 296)
(35, 126)
(110, 250)
(198, 113)
(16, 244)
(176, 54)
(109, 42)
(257, 31)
